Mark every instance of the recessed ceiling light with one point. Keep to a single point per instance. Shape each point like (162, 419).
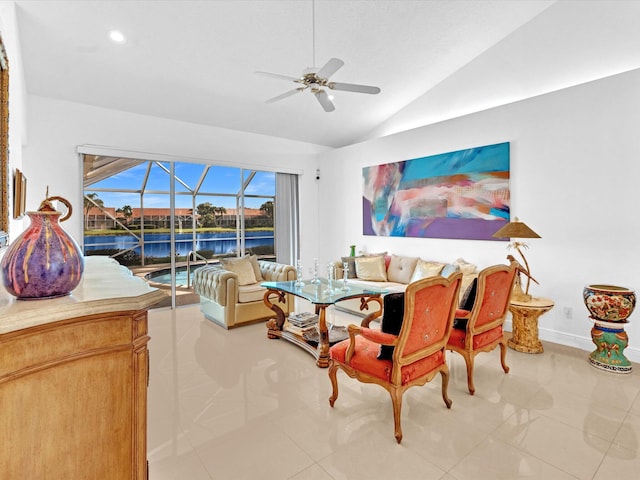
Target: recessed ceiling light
(117, 36)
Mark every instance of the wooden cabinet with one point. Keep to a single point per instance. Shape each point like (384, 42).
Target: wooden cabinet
(73, 388)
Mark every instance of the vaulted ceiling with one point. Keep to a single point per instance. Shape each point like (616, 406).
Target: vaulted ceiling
(195, 61)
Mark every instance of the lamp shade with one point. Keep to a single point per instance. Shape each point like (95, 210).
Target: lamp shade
(515, 229)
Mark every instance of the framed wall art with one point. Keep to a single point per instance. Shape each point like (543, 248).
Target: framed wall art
(463, 195)
(19, 194)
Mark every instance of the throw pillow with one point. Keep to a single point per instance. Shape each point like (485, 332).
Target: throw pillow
(466, 267)
(401, 268)
(352, 266)
(466, 303)
(392, 315)
(387, 258)
(426, 269)
(241, 267)
(371, 268)
(256, 268)
(448, 269)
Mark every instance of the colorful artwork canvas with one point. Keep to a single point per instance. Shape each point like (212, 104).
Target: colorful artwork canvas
(463, 194)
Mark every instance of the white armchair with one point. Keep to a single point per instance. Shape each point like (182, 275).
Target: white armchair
(225, 300)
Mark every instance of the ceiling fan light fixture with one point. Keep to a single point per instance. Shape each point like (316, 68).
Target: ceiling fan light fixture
(316, 80)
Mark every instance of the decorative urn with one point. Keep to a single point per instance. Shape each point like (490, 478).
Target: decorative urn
(610, 306)
(43, 261)
(609, 303)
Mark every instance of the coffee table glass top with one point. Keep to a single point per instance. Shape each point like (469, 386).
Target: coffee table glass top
(320, 294)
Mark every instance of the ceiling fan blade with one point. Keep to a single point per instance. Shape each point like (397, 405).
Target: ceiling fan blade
(323, 98)
(331, 67)
(285, 95)
(351, 87)
(279, 77)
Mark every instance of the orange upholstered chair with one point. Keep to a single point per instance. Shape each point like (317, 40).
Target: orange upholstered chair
(480, 330)
(419, 348)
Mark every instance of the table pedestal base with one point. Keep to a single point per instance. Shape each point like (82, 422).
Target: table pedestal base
(610, 340)
(317, 346)
(525, 324)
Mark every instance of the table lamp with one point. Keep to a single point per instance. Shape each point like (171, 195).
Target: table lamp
(518, 229)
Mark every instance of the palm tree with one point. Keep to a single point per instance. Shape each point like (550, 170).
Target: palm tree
(127, 213)
(267, 208)
(91, 200)
(220, 211)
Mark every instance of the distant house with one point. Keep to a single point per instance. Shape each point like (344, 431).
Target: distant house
(107, 218)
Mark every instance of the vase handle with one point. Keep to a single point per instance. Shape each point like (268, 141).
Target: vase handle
(66, 203)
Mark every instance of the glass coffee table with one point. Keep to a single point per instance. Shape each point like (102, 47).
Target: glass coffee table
(321, 296)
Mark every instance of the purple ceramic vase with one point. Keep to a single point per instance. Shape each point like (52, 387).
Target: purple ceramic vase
(44, 261)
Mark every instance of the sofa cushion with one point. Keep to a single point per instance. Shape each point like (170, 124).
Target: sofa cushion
(392, 315)
(252, 292)
(241, 267)
(401, 268)
(391, 287)
(371, 268)
(426, 269)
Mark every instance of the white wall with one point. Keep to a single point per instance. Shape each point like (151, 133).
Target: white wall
(575, 164)
(17, 117)
(57, 128)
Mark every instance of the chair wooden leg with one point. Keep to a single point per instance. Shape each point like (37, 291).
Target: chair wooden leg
(445, 386)
(469, 361)
(396, 400)
(503, 356)
(333, 369)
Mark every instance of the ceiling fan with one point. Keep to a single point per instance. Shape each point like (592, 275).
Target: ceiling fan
(317, 82)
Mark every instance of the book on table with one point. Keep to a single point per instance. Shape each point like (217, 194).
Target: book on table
(301, 323)
(301, 331)
(303, 319)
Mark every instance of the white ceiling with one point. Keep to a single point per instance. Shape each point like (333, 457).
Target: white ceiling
(194, 61)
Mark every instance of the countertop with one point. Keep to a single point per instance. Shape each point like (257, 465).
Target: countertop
(106, 286)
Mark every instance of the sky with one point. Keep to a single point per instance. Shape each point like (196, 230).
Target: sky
(225, 181)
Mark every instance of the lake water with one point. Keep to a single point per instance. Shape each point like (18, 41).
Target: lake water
(159, 244)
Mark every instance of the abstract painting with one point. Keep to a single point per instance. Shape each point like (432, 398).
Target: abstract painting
(463, 194)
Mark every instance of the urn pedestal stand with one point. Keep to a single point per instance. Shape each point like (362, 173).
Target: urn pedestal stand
(610, 340)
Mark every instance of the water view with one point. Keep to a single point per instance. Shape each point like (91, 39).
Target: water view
(159, 244)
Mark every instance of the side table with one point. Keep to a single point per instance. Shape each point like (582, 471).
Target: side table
(525, 316)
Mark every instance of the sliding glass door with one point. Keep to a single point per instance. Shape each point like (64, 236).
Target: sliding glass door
(216, 211)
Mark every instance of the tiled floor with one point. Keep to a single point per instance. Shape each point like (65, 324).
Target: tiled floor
(236, 405)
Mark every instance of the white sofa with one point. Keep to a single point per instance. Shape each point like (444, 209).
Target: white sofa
(394, 273)
(229, 298)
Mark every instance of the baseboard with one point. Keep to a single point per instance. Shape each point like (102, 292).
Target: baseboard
(576, 341)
